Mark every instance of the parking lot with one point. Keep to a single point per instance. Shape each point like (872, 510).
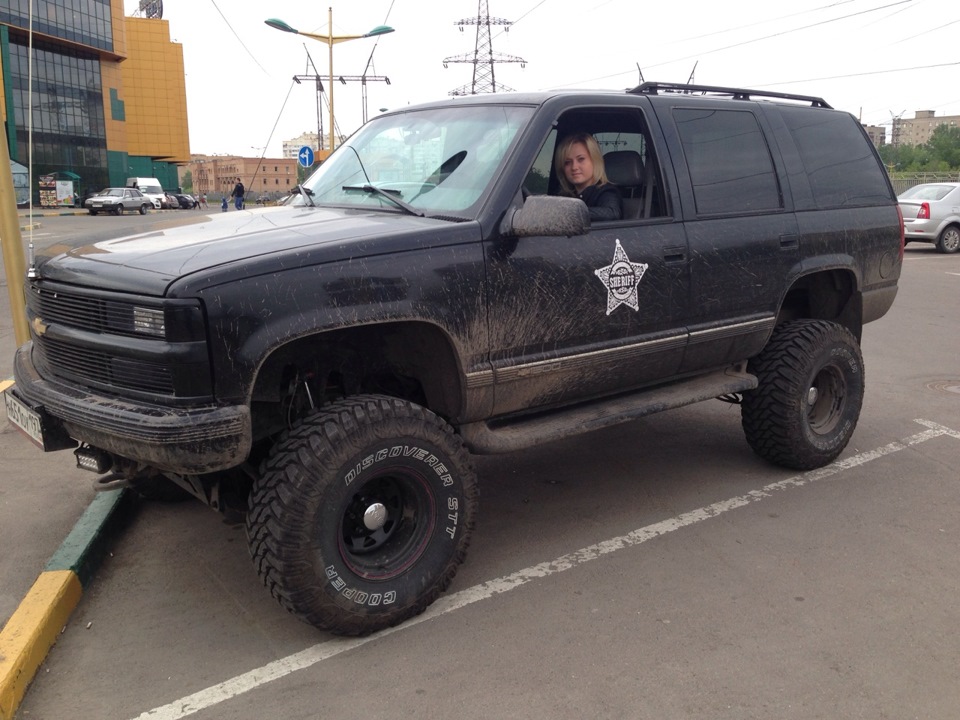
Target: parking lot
(655, 570)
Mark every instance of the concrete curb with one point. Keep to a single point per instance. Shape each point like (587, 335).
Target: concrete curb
(33, 628)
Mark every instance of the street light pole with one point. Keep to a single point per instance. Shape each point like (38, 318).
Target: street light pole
(330, 39)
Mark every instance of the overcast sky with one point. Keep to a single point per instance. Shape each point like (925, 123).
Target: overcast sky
(873, 58)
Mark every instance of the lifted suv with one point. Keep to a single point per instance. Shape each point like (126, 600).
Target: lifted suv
(327, 367)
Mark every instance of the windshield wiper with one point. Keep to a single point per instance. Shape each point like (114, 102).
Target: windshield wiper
(390, 195)
(306, 192)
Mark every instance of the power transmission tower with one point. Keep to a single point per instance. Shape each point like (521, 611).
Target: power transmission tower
(483, 57)
(896, 128)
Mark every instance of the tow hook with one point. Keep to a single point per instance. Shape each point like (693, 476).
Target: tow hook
(113, 481)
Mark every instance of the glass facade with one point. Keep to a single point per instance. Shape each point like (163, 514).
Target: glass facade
(87, 22)
(69, 132)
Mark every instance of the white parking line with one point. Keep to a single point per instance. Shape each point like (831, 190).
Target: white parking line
(311, 656)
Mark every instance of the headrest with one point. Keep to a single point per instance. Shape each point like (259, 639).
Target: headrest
(624, 167)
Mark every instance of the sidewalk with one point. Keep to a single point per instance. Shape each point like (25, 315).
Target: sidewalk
(45, 566)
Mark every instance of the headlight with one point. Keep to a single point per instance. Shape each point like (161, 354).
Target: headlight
(149, 321)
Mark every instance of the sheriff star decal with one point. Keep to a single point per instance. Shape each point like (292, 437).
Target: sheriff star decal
(621, 278)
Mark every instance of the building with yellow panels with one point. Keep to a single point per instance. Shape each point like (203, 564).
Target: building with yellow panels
(108, 93)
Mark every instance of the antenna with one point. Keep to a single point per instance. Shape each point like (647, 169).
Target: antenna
(483, 57)
(690, 79)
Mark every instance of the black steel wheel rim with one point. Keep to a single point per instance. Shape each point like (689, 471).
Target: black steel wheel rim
(387, 549)
(828, 391)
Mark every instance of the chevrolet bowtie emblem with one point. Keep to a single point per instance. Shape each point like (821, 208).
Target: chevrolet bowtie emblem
(39, 327)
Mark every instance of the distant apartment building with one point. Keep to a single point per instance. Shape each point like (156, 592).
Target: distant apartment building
(217, 174)
(917, 130)
(292, 146)
(877, 134)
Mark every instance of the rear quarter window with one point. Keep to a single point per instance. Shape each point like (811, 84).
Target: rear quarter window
(840, 163)
(729, 162)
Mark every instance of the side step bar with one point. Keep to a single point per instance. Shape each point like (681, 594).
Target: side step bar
(518, 433)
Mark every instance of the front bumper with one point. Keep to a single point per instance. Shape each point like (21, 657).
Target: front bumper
(180, 440)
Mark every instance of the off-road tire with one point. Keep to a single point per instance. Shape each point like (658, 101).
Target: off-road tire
(807, 404)
(307, 523)
(949, 240)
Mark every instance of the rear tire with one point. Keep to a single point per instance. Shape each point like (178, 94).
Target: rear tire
(949, 240)
(807, 404)
(362, 514)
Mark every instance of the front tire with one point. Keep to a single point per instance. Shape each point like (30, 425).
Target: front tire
(949, 240)
(362, 514)
(118, 209)
(807, 404)
(143, 209)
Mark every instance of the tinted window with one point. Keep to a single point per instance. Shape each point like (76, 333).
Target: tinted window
(840, 162)
(728, 160)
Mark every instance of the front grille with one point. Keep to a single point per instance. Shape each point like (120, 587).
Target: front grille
(68, 361)
(95, 314)
(86, 337)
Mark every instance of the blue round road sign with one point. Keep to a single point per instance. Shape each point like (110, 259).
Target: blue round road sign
(305, 156)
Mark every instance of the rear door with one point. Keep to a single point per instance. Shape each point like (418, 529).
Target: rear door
(741, 228)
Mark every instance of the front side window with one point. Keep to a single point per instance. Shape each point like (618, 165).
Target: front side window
(439, 161)
(728, 160)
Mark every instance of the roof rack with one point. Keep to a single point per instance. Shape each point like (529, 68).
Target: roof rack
(655, 88)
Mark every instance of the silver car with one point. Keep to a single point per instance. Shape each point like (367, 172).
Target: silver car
(931, 213)
(118, 199)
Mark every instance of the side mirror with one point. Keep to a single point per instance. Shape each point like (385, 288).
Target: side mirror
(547, 215)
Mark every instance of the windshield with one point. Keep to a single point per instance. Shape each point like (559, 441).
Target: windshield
(437, 161)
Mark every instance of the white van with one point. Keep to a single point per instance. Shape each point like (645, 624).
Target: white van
(148, 186)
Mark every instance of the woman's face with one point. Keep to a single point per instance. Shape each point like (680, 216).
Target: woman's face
(577, 166)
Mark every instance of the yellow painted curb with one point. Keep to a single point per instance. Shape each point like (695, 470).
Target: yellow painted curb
(31, 632)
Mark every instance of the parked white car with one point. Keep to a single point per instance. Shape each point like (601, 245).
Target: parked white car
(931, 213)
(116, 200)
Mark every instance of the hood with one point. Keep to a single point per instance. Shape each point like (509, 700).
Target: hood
(149, 263)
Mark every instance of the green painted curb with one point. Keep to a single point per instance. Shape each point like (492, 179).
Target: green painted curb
(85, 546)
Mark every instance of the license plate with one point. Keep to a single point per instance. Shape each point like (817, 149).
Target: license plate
(45, 431)
(24, 418)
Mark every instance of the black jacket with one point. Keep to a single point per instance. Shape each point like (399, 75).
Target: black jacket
(603, 201)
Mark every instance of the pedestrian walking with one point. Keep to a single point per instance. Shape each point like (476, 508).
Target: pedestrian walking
(237, 195)
(223, 204)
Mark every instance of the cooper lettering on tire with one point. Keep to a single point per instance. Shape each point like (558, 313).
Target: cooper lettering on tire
(807, 404)
(362, 514)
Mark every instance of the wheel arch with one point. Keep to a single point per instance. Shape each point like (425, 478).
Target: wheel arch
(825, 294)
(412, 360)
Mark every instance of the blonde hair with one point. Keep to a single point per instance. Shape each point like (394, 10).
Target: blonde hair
(593, 148)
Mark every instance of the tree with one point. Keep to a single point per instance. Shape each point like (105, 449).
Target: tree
(945, 145)
(187, 182)
(940, 154)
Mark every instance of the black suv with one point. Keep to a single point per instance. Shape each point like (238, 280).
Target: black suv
(327, 367)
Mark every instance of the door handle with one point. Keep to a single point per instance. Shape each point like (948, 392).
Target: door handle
(674, 254)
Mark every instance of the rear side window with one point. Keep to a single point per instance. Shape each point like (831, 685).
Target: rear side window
(838, 158)
(728, 160)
